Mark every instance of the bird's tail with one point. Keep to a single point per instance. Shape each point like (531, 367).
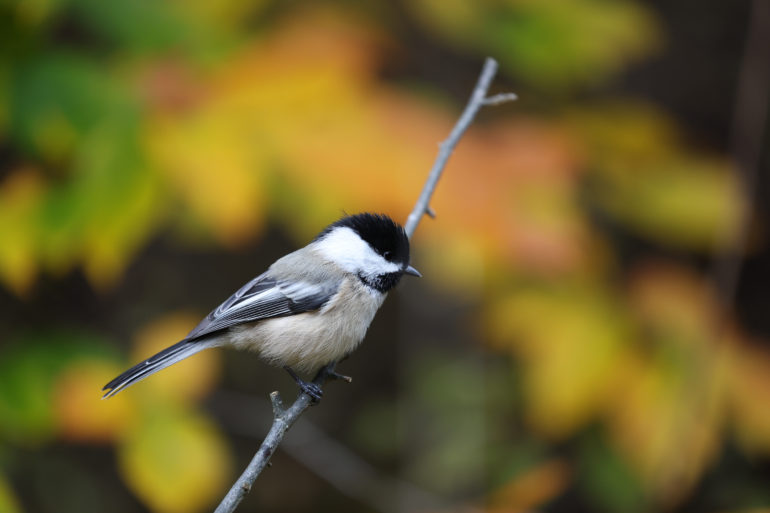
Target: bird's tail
(168, 356)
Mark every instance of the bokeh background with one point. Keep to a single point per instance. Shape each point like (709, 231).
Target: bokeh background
(592, 331)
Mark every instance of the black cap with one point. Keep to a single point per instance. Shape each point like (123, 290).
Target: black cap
(383, 234)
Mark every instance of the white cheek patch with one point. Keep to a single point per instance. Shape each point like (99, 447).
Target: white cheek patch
(344, 247)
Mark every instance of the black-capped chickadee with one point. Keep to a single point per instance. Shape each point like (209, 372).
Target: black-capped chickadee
(309, 309)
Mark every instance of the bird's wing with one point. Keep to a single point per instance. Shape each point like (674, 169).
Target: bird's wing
(265, 297)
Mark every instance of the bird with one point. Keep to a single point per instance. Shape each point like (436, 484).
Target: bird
(310, 309)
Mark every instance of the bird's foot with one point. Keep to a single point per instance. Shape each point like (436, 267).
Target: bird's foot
(311, 389)
(308, 387)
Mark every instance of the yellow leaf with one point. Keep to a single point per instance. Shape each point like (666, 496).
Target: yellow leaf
(189, 379)
(225, 15)
(111, 240)
(454, 19)
(688, 202)
(629, 132)
(21, 194)
(646, 178)
(175, 461)
(80, 413)
(258, 114)
(671, 384)
(570, 341)
(667, 416)
(210, 161)
(8, 501)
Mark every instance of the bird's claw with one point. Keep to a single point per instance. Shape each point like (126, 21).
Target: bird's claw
(308, 387)
(314, 391)
(312, 388)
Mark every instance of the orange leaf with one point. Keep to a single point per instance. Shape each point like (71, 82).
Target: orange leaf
(532, 488)
(80, 413)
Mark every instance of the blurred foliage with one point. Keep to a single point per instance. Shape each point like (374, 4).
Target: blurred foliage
(448, 406)
(176, 461)
(8, 502)
(537, 485)
(169, 453)
(553, 44)
(77, 413)
(28, 372)
(206, 123)
(644, 177)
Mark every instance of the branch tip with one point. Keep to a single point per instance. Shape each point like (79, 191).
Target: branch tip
(477, 100)
(278, 408)
(341, 377)
(500, 99)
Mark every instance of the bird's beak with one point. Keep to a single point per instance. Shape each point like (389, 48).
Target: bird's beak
(411, 270)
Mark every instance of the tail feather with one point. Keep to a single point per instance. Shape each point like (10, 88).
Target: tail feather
(153, 364)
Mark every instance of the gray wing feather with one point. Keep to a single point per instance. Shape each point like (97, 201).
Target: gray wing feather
(265, 297)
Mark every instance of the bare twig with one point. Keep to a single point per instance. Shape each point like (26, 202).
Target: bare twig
(478, 99)
(283, 418)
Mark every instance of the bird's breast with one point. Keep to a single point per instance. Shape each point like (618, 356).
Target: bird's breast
(310, 340)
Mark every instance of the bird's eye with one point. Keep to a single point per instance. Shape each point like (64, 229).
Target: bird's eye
(387, 255)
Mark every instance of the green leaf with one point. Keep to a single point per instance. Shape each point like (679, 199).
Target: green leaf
(607, 478)
(137, 25)
(116, 198)
(28, 370)
(53, 100)
(556, 43)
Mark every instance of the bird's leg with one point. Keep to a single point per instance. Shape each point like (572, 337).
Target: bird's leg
(312, 389)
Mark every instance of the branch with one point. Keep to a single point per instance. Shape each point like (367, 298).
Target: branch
(478, 99)
(351, 475)
(284, 418)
